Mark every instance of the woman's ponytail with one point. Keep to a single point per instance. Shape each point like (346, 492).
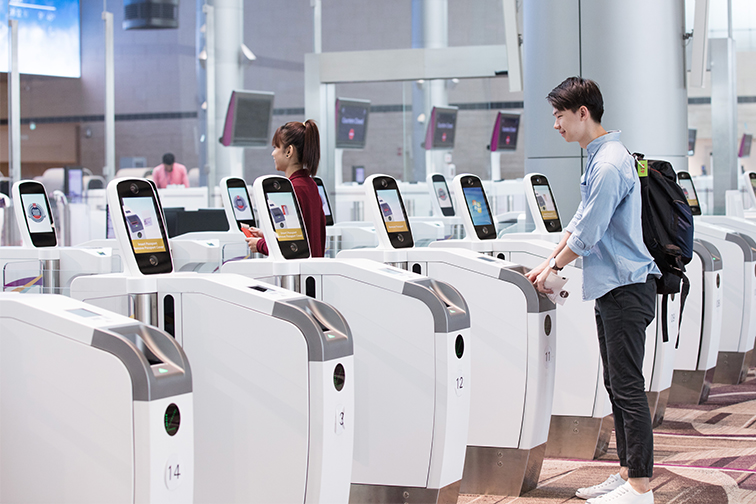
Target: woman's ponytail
(310, 156)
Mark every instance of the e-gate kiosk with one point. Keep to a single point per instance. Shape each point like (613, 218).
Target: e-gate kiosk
(661, 334)
(700, 328)
(732, 237)
(39, 264)
(580, 424)
(411, 349)
(513, 338)
(99, 403)
(701, 323)
(273, 369)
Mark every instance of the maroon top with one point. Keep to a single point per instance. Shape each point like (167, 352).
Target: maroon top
(312, 213)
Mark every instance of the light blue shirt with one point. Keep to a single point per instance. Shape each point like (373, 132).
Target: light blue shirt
(606, 229)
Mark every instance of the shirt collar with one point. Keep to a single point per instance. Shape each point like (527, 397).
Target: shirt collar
(611, 136)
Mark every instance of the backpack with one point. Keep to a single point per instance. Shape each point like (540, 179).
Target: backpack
(667, 229)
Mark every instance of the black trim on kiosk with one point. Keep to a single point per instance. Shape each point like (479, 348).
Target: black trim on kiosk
(291, 240)
(390, 203)
(38, 217)
(151, 252)
(477, 207)
(548, 210)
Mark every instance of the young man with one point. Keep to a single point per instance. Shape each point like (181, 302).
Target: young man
(618, 273)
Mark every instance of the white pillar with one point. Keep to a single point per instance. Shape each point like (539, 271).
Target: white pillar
(634, 51)
(724, 121)
(229, 75)
(435, 36)
(14, 104)
(109, 169)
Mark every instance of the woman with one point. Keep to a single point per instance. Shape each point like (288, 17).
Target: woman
(296, 153)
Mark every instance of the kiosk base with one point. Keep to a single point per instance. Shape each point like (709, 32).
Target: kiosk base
(579, 437)
(381, 494)
(690, 387)
(657, 405)
(732, 367)
(502, 471)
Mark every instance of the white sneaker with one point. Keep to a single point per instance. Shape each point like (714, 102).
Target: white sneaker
(624, 494)
(612, 482)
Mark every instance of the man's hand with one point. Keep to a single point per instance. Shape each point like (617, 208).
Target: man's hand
(533, 274)
(541, 279)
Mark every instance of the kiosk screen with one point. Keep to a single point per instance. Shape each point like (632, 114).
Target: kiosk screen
(283, 213)
(689, 190)
(753, 184)
(143, 225)
(545, 202)
(240, 203)
(478, 206)
(442, 194)
(324, 200)
(37, 214)
(391, 210)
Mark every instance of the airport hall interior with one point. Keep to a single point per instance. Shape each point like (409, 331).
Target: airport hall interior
(542, 212)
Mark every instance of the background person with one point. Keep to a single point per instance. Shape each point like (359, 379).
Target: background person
(170, 173)
(296, 153)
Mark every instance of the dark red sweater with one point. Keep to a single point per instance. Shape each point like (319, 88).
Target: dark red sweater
(312, 213)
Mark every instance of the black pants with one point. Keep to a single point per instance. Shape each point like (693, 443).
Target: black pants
(622, 315)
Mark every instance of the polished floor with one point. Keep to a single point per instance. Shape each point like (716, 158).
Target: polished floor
(704, 454)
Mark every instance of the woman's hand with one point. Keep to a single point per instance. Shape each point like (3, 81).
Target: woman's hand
(252, 242)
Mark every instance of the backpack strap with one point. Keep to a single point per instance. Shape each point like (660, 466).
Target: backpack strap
(665, 329)
(683, 296)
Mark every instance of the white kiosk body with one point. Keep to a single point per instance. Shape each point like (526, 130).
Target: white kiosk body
(39, 265)
(701, 328)
(512, 371)
(411, 348)
(661, 334)
(102, 401)
(735, 239)
(274, 375)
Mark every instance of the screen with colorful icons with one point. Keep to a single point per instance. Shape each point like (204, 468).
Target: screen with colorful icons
(477, 205)
(143, 225)
(545, 202)
(690, 192)
(391, 210)
(35, 209)
(49, 36)
(753, 185)
(283, 213)
(442, 194)
(240, 203)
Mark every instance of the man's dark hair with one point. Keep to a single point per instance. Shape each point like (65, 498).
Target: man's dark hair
(575, 92)
(169, 158)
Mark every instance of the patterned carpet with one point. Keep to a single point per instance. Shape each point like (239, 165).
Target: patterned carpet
(704, 454)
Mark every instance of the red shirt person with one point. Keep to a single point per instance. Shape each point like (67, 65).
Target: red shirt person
(296, 153)
(170, 173)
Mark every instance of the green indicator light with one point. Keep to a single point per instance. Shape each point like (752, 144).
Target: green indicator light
(162, 370)
(330, 336)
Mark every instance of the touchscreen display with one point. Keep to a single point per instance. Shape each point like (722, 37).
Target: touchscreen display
(143, 225)
(753, 185)
(324, 200)
(240, 203)
(391, 210)
(35, 209)
(545, 202)
(476, 203)
(442, 193)
(690, 192)
(283, 213)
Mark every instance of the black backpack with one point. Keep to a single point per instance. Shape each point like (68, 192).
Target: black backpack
(667, 228)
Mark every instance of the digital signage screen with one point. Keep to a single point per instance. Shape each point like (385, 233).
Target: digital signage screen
(49, 36)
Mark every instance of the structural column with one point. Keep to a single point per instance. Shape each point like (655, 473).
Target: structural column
(635, 51)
